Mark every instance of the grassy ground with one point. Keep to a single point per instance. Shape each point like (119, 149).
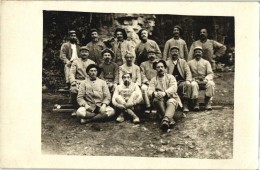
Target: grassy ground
(205, 134)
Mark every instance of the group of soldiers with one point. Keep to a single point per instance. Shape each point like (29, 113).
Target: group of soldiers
(107, 81)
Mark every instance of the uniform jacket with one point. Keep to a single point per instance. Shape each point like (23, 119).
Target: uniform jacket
(125, 46)
(66, 52)
(209, 48)
(78, 69)
(182, 67)
(134, 69)
(95, 49)
(201, 69)
(147, 71)
(93, 93)
(110, 72)
(140, 50)
(182, 48)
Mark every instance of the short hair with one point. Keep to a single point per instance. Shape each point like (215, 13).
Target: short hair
(129, 53)
(140, 32)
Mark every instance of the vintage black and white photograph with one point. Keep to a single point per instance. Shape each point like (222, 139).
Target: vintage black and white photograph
(142, 85)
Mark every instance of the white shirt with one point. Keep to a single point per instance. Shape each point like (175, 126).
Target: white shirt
(74, 52)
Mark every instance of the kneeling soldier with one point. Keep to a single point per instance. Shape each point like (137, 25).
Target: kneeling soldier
(126, 97)
(94, 97)
(163, 90)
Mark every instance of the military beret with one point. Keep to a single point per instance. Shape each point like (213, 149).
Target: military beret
(197, 48)
(94, 66)
(179, 27)
(107, 50)
(83, 48)
(72, 32)
(159, 61)
(174, 47)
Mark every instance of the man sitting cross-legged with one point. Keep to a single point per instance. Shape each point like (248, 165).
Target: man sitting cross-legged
(126, 97)
(94, 97)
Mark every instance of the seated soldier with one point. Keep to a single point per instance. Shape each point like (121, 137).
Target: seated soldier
(126, 97)
(180, 70)
(147, 73)
(78, 74)
(109, 70)
(130, 67)
(203, 78)
(163, 90)
(94, 97)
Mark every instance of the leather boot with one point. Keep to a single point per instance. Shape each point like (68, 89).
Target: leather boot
(185, 106)
(120, 118)
(133, 115)
(196, 105)
(208, 103)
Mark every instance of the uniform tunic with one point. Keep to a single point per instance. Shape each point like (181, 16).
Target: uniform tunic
(110, 72)
(147, 71)
(134, 69)
(183, 50)
(209, 48)
(120, 49)
(95, 49)
(142, 48)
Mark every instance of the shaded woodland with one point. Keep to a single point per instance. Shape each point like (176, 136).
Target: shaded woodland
(56, 25)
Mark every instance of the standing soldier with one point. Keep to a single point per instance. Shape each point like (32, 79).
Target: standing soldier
(203, 78)
(210, 49)
(176, 41)
(145, 45)
(121, 46)
(95, 47)
(69, 52)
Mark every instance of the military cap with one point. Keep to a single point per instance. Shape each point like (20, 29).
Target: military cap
(159, 61)
(107, 50)
(93, 30)
(151, 50)
(174, 47)
(72, 32)
(197, 48)
(83, 48)
(94, 66)
(179, 27)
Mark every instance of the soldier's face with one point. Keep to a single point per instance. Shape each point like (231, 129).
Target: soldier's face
(175, 54)
(203, 33)
(160, 69)
(107, 57)
(84, 54)
(126, 79)
(151, 56)
(92, 73)
(94, 35)
(73, 38)
(129, 59)
(176, 32)
(144, 35)
(198, 54)
(119, 35)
